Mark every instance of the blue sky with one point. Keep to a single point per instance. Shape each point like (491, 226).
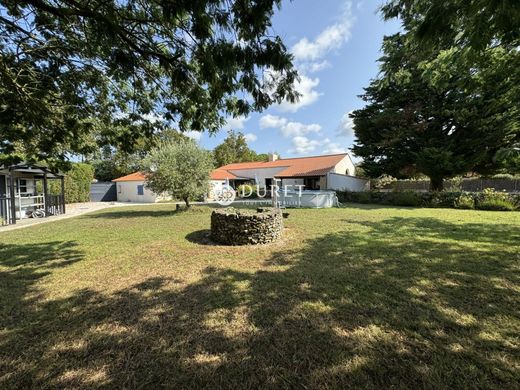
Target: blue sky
(336, 44)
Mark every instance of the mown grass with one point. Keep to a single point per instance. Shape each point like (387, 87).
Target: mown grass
(361, 296)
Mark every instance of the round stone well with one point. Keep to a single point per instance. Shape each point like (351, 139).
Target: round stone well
(246, 227)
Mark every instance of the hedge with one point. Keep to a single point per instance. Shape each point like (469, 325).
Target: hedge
(487, 200)
(77, 183)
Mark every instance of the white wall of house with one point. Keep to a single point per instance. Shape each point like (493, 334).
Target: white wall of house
(127, 191)
(338, 182)
(261, 173)
(345, 167)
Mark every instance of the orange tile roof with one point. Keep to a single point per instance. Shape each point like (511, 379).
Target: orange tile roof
(222, 174)
(136, 176)
(294, 167)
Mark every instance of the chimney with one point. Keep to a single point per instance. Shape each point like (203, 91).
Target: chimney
(272, 156)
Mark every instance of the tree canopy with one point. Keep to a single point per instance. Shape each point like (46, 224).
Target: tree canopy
(478, 24)
(430, 114)
(446, 100)
(179, 169)
(234, 149)
(76, 74)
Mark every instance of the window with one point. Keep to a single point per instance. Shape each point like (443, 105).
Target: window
(140, 189)
(312, 183)
(23, 186)
(119, 188)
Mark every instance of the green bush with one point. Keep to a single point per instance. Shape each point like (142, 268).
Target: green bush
(247, 189)
(407, 198)
(464, 201)
(486, 200)
(496, 205)
(77, 183)
(489, 199)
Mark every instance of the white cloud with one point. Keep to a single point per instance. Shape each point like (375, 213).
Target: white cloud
(317, 66)
(271, 121)
(294, 129)
(308, 95)
(196, 135)
(288, 129)
(346, 126)
(331, 38)
(250, 137)
(330, 147)
(304, 145)
(237, 123)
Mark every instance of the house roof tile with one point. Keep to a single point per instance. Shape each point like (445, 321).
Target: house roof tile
(290, 167)
(136, 176)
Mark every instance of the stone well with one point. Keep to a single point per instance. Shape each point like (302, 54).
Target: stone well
(242, 227)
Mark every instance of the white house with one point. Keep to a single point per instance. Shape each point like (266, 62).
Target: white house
(131, 188)
(331, 172)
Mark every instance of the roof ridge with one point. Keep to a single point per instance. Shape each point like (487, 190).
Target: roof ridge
(323, 155)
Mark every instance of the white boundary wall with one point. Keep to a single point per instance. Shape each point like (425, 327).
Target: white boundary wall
(338, 182)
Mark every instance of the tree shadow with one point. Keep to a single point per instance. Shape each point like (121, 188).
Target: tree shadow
(374, 308)
(131, 214)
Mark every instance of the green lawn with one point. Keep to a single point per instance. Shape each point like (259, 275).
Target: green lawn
(359, 296)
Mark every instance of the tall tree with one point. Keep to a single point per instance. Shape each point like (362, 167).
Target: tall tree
(478, 24)
(234, 149)
(75, 74)
(179, 169)
(436, 117)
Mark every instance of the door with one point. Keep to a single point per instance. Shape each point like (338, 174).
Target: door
(268, 184)
(3, 186)
(4, 204)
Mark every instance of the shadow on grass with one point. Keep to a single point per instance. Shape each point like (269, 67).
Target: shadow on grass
(201, 237)
(126, 214)
(152, 211)
(375, 309)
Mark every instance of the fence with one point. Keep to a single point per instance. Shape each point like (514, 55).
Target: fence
(5, 211)
(56, 204)
(469, 185)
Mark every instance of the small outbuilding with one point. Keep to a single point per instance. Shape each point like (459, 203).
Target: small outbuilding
(131, 188)
(24, 190)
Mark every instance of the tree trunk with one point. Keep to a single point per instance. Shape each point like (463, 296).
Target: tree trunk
(436, 183)
(187, 201)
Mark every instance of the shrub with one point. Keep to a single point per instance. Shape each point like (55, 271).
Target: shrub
(77, 183)
(407, 198)
(464, 201)
(441, 199)
(249, 190)
(489, 199)
(496, 205)
(383, 181)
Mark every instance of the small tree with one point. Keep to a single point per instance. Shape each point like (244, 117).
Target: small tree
(179, 169)
(234, 149)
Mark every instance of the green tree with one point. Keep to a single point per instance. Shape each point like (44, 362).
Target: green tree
(434, 116)
(78, 74)
(234, 149)
(180, 169)
(475, 23)
(110, 163)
